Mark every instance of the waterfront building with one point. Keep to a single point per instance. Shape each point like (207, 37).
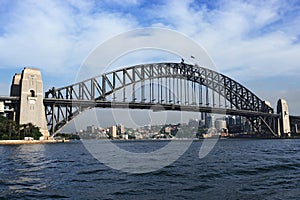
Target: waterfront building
(91, 129)
(113, 131)
(168, 129)
(121, 129)
(193, 123)
(220, 124)
(209, 121)
(1, 107)
(147, 127)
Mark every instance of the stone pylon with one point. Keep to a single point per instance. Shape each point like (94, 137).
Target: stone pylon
(29, 87)
(284, 126)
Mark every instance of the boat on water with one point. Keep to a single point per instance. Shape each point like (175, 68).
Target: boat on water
(212, 133)
(205, 136)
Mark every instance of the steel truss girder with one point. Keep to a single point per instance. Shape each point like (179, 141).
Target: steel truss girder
(100, 87)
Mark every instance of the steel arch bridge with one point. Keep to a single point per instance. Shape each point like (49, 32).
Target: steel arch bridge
(171, 86)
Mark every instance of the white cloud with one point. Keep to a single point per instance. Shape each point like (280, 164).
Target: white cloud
(238, 35)
(123, 2)
(253, 37)
(56, 36)
(246, 40)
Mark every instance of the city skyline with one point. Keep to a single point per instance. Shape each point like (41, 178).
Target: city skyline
(255, 43)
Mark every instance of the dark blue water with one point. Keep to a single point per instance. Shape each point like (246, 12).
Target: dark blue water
(235, 169)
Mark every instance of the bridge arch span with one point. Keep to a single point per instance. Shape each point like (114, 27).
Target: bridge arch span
(158, 83)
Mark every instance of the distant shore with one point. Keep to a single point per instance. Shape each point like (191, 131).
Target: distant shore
(16, 142)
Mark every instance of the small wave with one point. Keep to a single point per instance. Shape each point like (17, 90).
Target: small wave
(198, 188)
(79, 181)
(267, 169)
(245, 172)
(39, 196)
(162, 173)
(90, 171)
(63, 161)
(277, 167)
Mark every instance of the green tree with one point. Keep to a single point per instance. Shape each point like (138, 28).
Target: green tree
(30, 130)
(9, 130)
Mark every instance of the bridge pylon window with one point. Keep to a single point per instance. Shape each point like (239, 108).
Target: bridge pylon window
(32, 93)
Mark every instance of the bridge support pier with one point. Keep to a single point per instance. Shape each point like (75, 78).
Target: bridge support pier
(29, 87)
(284, 126)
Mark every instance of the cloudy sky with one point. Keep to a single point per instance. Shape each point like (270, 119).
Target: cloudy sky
(254, 42)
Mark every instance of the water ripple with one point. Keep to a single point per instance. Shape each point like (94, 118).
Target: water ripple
(235, 169)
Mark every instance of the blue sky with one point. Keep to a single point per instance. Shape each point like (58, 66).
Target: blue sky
(254, 42)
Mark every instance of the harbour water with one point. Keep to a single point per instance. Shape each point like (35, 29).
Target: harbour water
(234, 169)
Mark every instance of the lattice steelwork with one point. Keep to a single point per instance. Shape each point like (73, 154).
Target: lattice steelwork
(175, 86)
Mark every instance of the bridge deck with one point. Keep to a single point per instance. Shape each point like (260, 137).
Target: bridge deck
(141, 105)
(8, 98)
(155, 107)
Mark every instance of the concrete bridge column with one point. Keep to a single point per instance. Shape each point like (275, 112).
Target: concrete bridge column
(284, 126)
(29, 87)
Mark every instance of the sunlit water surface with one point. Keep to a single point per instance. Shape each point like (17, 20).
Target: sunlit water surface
(234, 169)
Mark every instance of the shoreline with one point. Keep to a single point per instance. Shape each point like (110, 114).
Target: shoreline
(17, 142)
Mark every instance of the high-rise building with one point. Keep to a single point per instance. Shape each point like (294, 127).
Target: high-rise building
(209, 121)
(220, 124)
(122, 129)
(90, 129)
(193, 123)
(147, 127)
(113, 131)
(231, 120)
(1, 107)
